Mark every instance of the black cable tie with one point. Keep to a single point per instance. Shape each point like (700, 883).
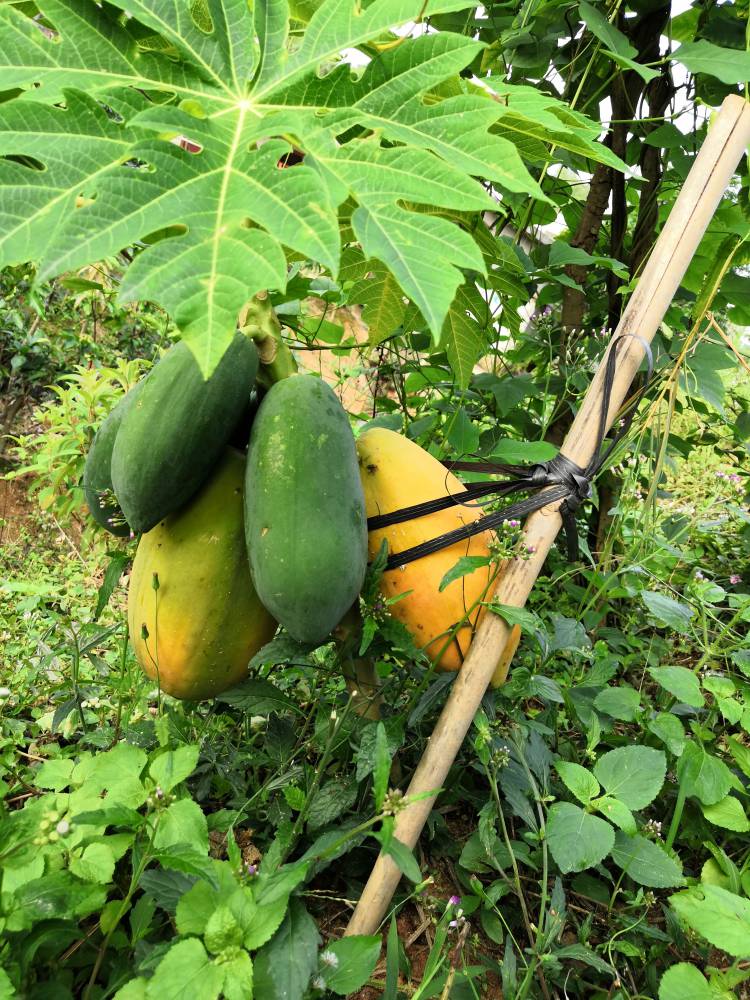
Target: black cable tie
(560, 478)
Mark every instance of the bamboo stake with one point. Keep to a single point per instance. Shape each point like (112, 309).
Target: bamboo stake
(707, 181)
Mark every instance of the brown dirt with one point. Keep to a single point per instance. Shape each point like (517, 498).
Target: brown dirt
(15, 509)
(356, 392)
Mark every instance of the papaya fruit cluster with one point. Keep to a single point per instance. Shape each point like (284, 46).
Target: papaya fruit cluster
(236, 540)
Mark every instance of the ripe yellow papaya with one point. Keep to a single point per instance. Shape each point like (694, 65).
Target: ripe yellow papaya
(397, 473)
(194, 617)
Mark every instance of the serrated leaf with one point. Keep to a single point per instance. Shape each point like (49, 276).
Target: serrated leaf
(334, 798)
(728, 814)
(462, 337)
(684, 982)
(703, 775)
(258, 697)
(680, 682)
(578, 780)
(666, 611)
(576, 839)
(617, 813)
(173, 766)
(633, 774)
(186, 971)
(283, 967)
(399, 238)
(646, 862)
(356, 956)
(720, 916)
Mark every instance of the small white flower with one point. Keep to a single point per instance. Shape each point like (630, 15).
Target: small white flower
(4, 692)
(330, 959)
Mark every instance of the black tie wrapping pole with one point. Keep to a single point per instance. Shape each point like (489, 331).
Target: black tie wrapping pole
(559, 479)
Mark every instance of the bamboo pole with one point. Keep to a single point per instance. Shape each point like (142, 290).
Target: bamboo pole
(727, 140)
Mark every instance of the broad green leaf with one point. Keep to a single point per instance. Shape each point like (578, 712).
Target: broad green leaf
(114, 774)
(684, 982)
(399, 238)
(185, 972)
(222, 930)
(561, 253)
(578, 780)
(727, 813)
(283, 967)
(727, 65)
(96, 863)
(741, 755)
(646, 862)
(58, 895)
(669, 730)
(617, 813)
(463, 434)
(667, 611)
(633, 774)
(721, 917)
(577, 839)
(404, 858)
(195, 907)
(680, 682)
(54, 774)
(182, 822)
(703, 775)
(355, 958)
(173, 766)
(134, 990)
(620, 702)
(238, 977)
(334, 798)
(645, 72)
(257, 696)
(605, 31)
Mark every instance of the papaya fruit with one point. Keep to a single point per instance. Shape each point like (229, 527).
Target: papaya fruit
(172, 436)
(97, 472)
(195, 620)
(304, 509)
(397, 473)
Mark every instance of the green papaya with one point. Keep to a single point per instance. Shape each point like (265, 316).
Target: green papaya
(97, 472)
(195, 620)
(171, 438)
(305, 522)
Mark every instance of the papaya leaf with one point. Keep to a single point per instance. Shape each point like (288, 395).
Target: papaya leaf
(167, 131)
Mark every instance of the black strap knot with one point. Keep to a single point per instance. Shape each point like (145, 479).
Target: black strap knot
(560, 478)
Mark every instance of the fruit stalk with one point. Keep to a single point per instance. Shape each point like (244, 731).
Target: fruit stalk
(259, 321)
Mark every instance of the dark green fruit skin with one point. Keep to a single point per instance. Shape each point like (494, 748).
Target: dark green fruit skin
(97, 473)
(172, 437)
(305, 523)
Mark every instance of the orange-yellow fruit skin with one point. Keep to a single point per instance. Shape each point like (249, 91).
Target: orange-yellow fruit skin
(205, 621)
(397, 473)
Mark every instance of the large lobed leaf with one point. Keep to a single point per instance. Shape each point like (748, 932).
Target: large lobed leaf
(166, 126)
